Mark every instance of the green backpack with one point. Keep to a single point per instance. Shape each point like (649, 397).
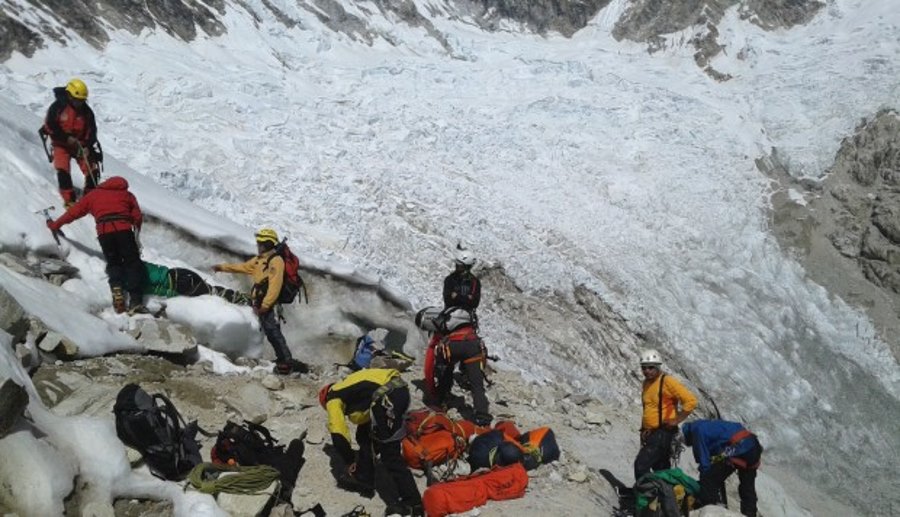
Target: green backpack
(665, 493)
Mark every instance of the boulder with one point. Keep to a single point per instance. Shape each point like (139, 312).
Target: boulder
(58, 345)
(251, 403)
(13, 400)
(13, 318)
(164, 337)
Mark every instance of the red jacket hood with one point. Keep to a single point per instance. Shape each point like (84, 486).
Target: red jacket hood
(114, 183)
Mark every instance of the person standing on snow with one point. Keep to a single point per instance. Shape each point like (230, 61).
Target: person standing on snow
(376, 400)
(118, 219)
(721, 447)
(267, 271)
(72, 129)
(462, 288)
(661, 396)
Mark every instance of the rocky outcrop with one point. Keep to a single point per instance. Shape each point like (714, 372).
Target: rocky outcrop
(91, 21)
(848, 234)
(644, 20)
(650, 20)
(541, 16)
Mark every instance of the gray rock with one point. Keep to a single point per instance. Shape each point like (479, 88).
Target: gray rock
(163, 336)
(273, 382)
(58, 345)
(13, 318)
(13, 401)
(244, 504)
(27, 356)
(251, 402)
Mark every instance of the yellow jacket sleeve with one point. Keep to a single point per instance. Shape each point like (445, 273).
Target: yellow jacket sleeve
(241, 267)
(684, 396)
(275, 277)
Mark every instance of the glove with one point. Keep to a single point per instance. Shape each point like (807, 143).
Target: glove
(53, 226)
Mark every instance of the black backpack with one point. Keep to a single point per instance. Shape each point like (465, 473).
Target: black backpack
(153, 426)
(246, 444)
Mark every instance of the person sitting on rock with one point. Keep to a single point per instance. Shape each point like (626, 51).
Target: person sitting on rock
(376, 400)
(178, 281)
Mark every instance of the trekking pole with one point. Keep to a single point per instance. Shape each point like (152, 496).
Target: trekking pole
(56, 234)
(43, 135)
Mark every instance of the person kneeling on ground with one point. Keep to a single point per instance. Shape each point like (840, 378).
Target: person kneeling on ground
(177, 281)
(267, 271)
(721, 447)
(376, 400)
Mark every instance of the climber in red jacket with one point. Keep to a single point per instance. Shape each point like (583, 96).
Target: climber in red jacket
(118, 218)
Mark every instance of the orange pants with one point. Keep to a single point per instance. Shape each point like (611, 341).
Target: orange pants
(61, 162)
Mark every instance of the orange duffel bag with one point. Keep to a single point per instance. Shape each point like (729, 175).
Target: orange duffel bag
(463, 494)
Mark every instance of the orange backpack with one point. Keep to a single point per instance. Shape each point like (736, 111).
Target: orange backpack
(463, 494)
(433, 438)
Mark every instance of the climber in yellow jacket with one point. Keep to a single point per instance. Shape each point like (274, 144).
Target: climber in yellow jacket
(267, 271)
(666, 404)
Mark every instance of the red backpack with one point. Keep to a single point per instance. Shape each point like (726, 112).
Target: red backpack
(291, 284)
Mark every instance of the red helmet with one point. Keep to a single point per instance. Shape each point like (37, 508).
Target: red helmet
(323, 393)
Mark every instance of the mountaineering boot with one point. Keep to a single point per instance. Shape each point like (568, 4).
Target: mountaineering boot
(135, 304)
(118, 298)
(351, 484)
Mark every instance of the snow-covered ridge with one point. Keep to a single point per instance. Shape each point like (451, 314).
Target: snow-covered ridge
(30, 24)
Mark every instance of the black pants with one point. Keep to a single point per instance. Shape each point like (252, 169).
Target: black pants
(382, 437)
(712, 482)
(268, 321)
(123, 262)
(461, 352)
(187, 283)
(655, 453)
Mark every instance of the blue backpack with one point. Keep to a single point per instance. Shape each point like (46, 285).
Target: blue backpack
(365, 351)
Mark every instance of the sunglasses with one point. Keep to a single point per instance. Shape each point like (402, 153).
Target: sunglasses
(649, 367)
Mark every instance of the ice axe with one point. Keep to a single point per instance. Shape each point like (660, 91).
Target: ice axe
(56, 234)
(43, 133)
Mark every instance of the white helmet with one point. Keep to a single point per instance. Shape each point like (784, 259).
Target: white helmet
(465, 258)
(650, 356)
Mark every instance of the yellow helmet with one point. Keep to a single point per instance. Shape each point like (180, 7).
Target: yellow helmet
(267, 235)
(77, 89)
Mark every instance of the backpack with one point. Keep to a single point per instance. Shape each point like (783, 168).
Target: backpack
(539, 446)
(494, 448)
(153, 426)
(365, 352)
(665, 493)
(246, 444)
(433, 439)
(292, 283)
